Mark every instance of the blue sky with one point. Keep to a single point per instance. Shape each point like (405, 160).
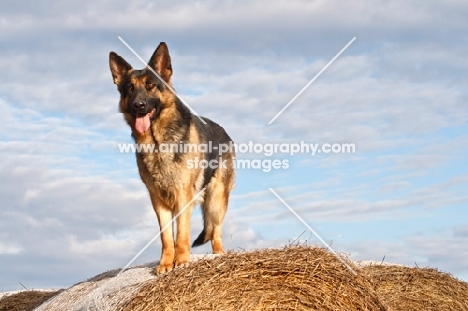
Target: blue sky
(72, 206)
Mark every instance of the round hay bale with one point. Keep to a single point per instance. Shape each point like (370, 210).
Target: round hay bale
(414, 289)
(25, 300)
(293, 278)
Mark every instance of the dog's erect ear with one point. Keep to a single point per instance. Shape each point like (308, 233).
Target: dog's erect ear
(119, 67)
(161, 62)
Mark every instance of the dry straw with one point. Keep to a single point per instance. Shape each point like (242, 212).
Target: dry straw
(25, 300)
(416, 289)
(294, 278)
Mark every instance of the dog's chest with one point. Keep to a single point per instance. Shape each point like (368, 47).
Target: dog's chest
(158, 166)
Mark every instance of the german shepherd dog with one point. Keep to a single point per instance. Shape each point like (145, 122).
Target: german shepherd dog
(156, 116)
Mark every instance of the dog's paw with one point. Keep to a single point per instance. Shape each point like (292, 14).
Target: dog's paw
(161, 269)
(217, 247)
(182, 259)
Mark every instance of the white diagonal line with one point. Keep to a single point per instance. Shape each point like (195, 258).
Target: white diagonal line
(162, 230)
(313, 231)
(311, 81)
(162, 80)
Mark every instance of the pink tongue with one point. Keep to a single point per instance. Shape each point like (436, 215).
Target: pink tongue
(142, 124)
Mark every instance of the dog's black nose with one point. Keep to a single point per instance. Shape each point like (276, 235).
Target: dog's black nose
(139, 105)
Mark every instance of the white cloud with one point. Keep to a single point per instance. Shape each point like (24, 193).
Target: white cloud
(214, 17)
(10, 249)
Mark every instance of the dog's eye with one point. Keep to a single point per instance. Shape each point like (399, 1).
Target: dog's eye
(131, 87)
(150, 85)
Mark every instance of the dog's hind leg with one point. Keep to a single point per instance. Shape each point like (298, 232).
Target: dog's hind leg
(214, 209)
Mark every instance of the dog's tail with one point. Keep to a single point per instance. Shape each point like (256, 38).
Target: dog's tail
(202, 239)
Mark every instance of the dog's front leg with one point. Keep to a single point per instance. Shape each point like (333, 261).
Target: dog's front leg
(182, 245)
(167, 254)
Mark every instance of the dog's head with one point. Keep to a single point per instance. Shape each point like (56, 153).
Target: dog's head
(142, 93)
